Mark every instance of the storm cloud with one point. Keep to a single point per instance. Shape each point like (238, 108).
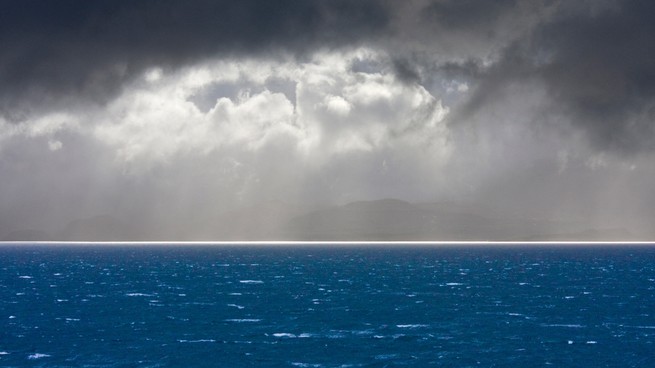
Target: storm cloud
(167, 114)
(59, 52)
(597, 66)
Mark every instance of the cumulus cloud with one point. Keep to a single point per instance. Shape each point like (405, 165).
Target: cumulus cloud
(336, 110)
(338, 140)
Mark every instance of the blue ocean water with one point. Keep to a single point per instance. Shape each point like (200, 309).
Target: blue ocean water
(358, 306)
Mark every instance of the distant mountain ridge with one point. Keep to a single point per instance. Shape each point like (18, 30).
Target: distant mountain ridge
(374, 220)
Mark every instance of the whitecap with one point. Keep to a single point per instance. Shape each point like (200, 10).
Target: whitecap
(12, 317)
(412, 326)
(592, 342)
(37, 356)
(251, 281)
(243, 320)
(24, 277)
(562, 325)
(4, 353)
(385, 356)
(454, 284)
(196, 341)
(284, 334)
(644, 327)
(236, 306)
(138, 294)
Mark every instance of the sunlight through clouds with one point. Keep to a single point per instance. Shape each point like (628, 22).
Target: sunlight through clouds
(335, 110)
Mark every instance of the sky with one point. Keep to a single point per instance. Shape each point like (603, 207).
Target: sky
(156, 111)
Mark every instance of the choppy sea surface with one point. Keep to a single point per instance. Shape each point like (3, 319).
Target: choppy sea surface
(321, 306)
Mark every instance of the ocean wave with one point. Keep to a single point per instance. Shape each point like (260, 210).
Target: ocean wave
(284, 334)
(37, 356)
(413, 326)
(139, 294)
(196, 341)
(562, 325)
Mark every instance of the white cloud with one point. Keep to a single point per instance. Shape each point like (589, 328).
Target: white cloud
(54, 145)
(250, 122)
(49, 124)
(299, 131)
(153, 75)
(336, 110)
(337, 105)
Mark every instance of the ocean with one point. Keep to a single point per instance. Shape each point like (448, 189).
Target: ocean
(327, 306)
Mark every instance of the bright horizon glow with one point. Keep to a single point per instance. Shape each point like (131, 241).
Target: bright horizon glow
(335, 243)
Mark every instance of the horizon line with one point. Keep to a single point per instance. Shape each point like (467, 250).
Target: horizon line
(336, 243)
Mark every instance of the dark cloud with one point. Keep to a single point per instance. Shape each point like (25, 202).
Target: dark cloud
(601, 69)
(469, 69)
(598, 69)
(466, 14)
(405, 71)
(54, 50)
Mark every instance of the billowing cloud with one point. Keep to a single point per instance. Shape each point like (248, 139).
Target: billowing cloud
(338, 139)
(59, 53)
(594, 63)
